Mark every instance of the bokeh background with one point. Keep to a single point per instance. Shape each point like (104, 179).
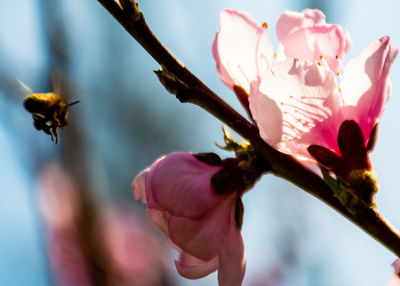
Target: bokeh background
(67, 214)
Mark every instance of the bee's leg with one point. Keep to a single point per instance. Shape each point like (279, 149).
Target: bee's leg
(46, 129)
(40, 124)
(54, 131)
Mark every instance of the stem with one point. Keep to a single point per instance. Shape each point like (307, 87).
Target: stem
(282, 165)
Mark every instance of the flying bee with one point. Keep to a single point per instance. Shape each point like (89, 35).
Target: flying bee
(49, 110)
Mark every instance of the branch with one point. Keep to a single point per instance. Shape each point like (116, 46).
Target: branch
(282, 165)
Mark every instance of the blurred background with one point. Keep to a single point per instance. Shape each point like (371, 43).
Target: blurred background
(67, 214)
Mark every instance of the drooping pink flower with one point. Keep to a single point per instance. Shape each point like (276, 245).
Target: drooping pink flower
(395, 281)
(199, 223)
(243, 53)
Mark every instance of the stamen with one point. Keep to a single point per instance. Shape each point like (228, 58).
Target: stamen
(312, 104)
(339, 60)
(275, 55)
(265, 25)
(311, 97)
(323, 62)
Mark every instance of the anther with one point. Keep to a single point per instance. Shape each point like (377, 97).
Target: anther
(265, 25)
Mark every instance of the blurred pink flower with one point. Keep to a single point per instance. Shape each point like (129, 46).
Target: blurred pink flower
(59, 206)
(395, 281)
(136, 255)
(200, 224)
(243, 53)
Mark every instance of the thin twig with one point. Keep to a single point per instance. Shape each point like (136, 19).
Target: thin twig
(282, 165)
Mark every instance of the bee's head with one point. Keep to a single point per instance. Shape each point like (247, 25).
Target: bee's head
(32, 104)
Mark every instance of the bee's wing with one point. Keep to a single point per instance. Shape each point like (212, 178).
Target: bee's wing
(59, 81)
(24, 87)
(57, 88)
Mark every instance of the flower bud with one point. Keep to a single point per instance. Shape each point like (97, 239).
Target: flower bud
(365, 183)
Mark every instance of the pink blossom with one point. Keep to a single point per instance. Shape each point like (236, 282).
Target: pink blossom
(243, 53)
(299, 103)
(395, 281)
(199, 223)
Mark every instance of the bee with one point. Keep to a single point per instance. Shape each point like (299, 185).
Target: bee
(49, 110)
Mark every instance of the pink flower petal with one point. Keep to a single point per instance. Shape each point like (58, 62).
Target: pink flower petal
(192, 268)
(396, 266)
(266, 113)
(290, 21)
(159, 219)
(395, 281)
(366, 85)
(307, 36)
(241, 49)
(202, 237)
(139, 186)
(292, 105)
(181, 185)
(232, 260)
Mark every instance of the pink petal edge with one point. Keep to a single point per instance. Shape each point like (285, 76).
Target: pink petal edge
(139, 186)
(232, 258)
(370, 70)
(241, 49)
(190, 267)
